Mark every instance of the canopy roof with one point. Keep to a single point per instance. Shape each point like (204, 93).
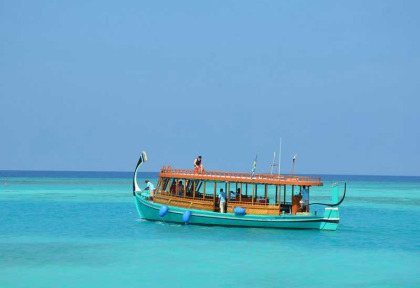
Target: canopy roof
(237, 177)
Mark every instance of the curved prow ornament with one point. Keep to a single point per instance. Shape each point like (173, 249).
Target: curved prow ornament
(143, 158)
(335, 195)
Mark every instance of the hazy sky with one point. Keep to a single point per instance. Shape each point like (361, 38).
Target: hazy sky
(87, 85)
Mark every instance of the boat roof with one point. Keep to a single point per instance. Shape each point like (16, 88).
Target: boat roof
(239, 177)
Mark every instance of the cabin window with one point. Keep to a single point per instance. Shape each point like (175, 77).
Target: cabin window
(172, 187)
(165, 184)
(210, 190)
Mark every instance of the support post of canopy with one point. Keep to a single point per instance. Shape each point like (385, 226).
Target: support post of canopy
(158, 186)
(185, 188)
(275, 199)
(193, 189)
(240, 194)
(279, 199)
(214, 194)
(176, 187)
(291, 199)
(204, 190)
(265, 194)
(284, 196)
(228, 193)
(307, 206)
(253, 189)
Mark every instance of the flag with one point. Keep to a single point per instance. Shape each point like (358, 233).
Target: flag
(254, 165)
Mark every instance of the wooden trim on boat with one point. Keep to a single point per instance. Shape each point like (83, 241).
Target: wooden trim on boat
(210, 205)
(240, 177)
(255, 209)
(189, 203)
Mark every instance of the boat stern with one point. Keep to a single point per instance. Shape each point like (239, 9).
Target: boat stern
(331, 219)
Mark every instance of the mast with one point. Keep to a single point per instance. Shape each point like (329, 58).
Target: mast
(279, 157)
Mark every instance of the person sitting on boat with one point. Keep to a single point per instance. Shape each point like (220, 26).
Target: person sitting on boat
(198, 167)
(180, 188)
(222, 201)
(237, 193)
(305, 199)
(150, 187)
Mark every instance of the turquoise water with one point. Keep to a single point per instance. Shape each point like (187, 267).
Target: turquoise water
(81, 229)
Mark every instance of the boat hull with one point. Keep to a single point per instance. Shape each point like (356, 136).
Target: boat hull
(150, 211)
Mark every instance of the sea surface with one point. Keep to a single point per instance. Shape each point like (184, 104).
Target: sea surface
(81, 229)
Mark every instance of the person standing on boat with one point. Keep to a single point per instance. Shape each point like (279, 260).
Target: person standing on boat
(198, 167)
(150, 187)
(222, 201)
(304, 202)
(180, 188)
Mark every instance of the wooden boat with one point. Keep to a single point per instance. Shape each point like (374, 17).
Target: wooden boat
(185, 196)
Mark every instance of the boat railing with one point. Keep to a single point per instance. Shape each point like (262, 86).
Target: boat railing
(238, 175)
(166, 193)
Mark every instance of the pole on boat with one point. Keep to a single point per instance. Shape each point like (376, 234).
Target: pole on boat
(214, 195)
(265, 194)
(284, 196)
(279, 157)
(228, 200)
(272, 165)
(294, 160)
(253, 188)
(277, 188)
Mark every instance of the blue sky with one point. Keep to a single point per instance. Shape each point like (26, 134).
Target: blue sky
(87, 85)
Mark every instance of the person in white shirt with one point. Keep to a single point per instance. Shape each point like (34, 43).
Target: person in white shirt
(222, 202)
(150, 187)
(304, 202)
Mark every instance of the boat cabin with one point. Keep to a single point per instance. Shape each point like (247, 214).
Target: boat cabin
(258, 194)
